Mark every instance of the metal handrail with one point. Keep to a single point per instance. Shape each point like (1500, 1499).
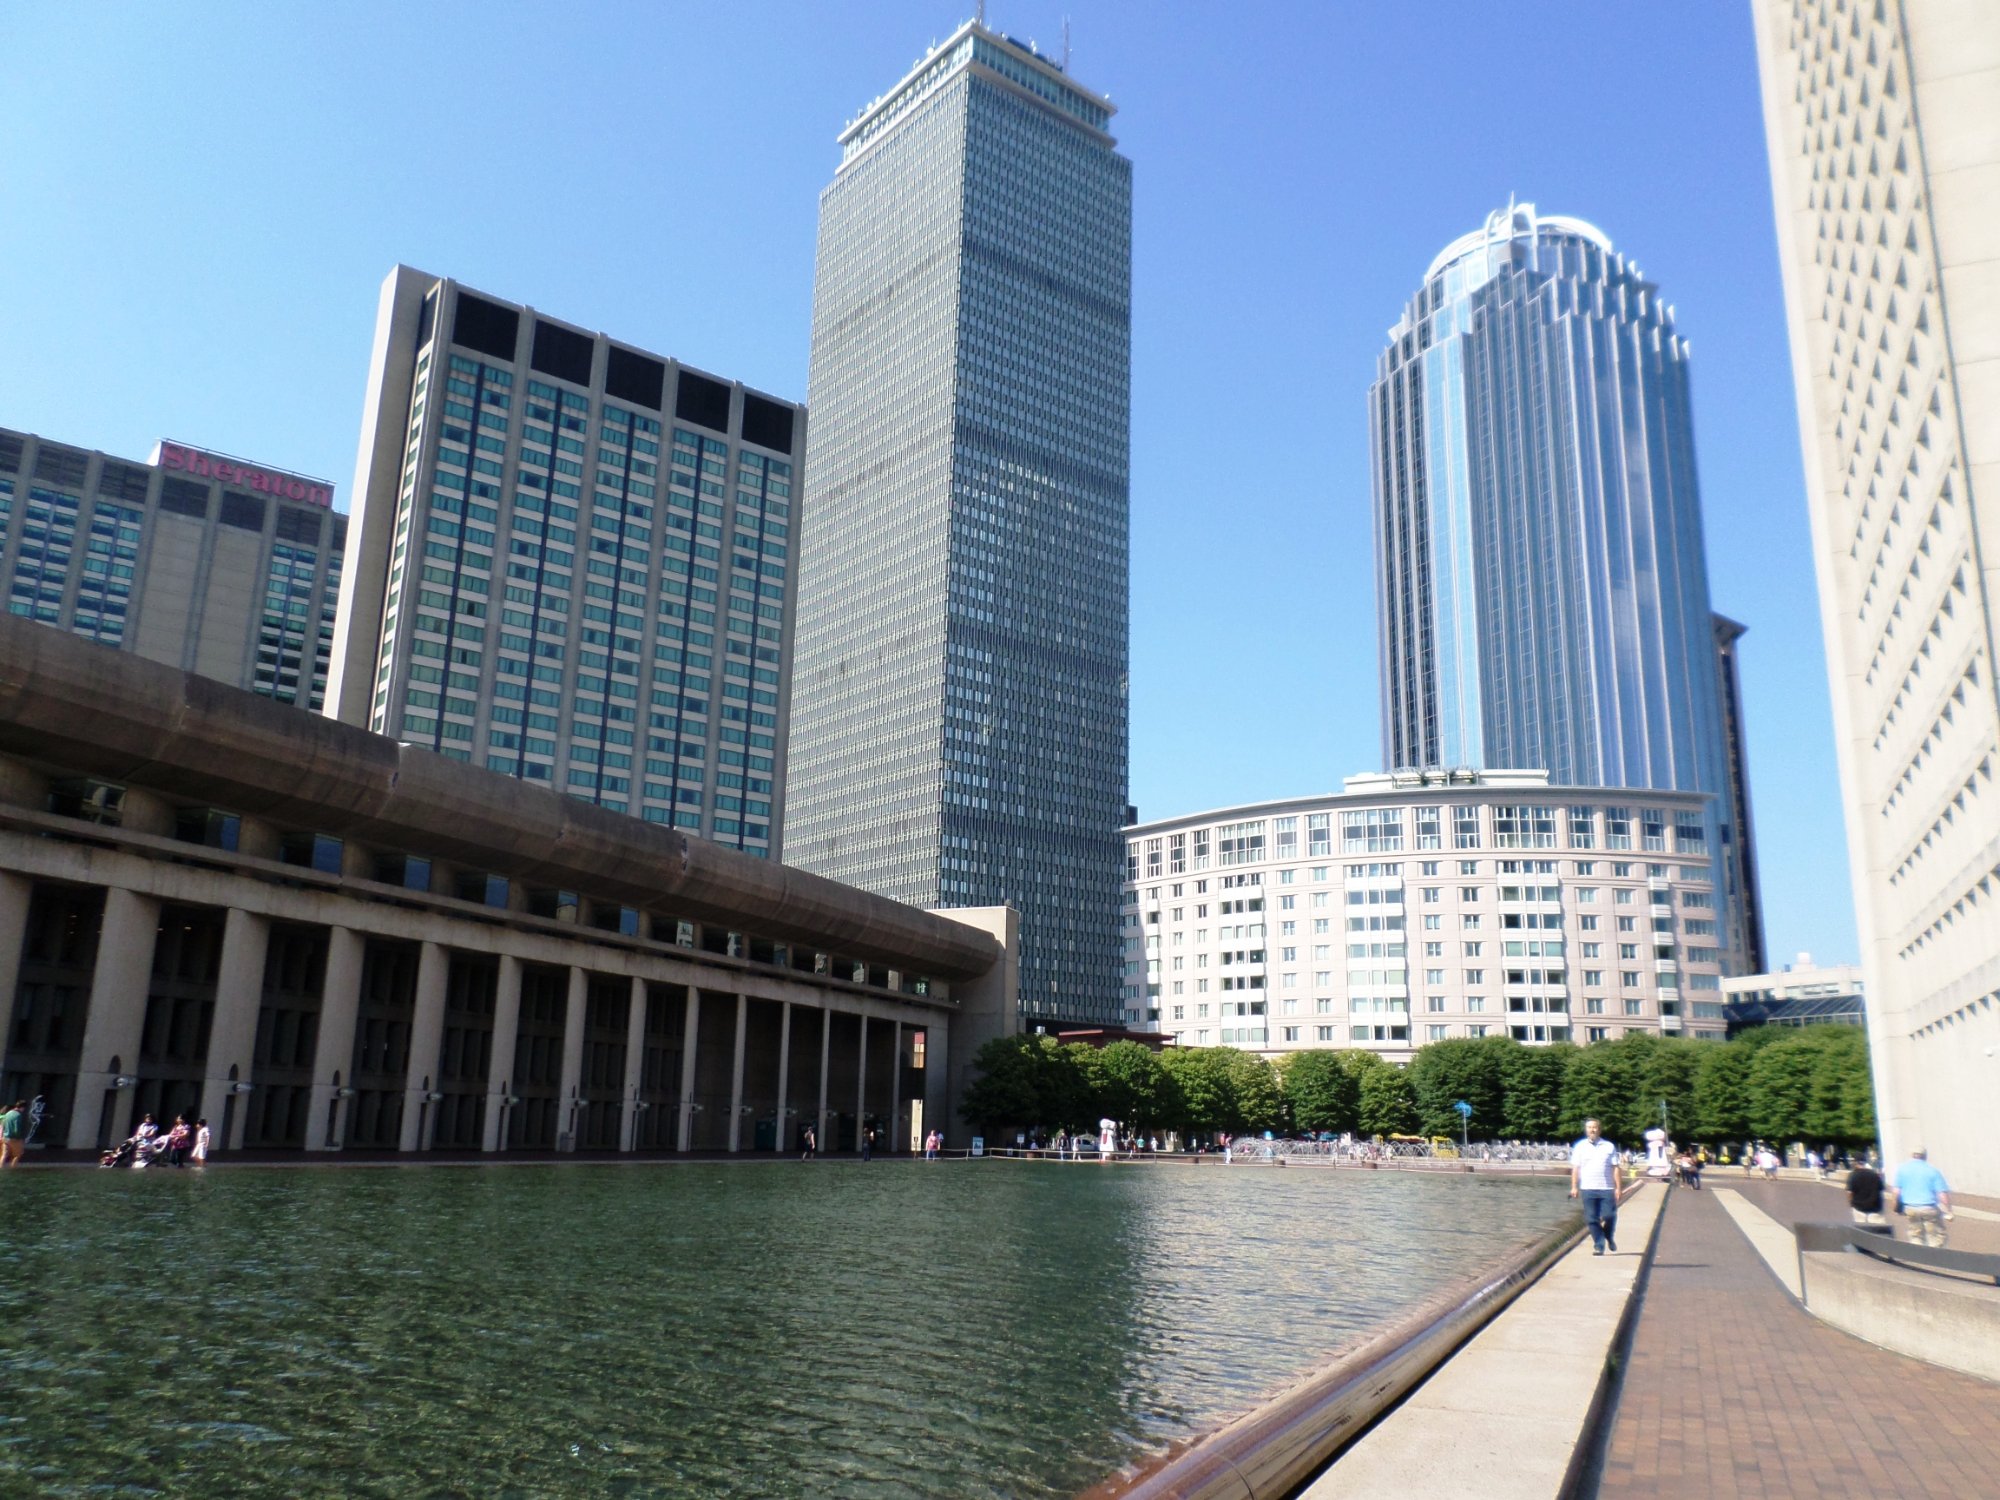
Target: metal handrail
(1875, 1241)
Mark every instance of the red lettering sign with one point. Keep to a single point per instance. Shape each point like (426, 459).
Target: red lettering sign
(250, 476)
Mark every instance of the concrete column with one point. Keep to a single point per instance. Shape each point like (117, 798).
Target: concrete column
(898, 1143)
(936, 1049)
(500, 1060)
(426, 1041)
(825, 1045)
(784, 1072)
(16, 891)
(117, 1019)
(572, 1058)
(333, 1052)
(736, 1076)
(635, 1064)
(232, 1035)
(860, 1081)
(690, 1028)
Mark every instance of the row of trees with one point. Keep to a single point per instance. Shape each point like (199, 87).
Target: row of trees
(1775, 1083)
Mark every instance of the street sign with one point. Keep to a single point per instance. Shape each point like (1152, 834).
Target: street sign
(1462, 1107)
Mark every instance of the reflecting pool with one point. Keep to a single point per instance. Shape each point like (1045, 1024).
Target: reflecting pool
(772, 1328)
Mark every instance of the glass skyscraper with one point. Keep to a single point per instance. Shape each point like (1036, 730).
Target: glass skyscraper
(1541, 584)
(959, 715)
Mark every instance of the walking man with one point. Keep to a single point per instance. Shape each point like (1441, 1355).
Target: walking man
(1924, 1198)
(1593, 1175)
(13, 1134)
(1864, 1194)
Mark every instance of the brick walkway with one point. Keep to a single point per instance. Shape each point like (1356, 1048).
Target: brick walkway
(1733, 1390)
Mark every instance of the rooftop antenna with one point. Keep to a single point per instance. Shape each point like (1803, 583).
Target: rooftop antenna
(980, 14)
(1065, 63)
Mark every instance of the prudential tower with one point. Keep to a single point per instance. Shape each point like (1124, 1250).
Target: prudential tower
(958, 716)
(1540, 578)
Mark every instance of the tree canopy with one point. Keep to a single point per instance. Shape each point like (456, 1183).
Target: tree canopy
(1779, 1083)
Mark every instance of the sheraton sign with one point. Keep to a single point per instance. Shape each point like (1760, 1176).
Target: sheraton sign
(247, 476)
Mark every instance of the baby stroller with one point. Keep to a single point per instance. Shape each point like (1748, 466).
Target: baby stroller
(120, 1155)
(148, 1152)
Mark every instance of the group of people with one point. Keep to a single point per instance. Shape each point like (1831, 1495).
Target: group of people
(1918, 1192)
(177, 1146)
(809, 1143)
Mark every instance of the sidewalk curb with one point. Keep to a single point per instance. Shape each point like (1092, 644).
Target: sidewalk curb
(1586, 1463)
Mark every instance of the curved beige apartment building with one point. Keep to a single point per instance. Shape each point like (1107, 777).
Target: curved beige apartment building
(1417, 906)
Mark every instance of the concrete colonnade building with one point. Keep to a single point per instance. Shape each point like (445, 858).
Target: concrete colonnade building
(1541, 581)
(959, 707)
(212, 564)
(572, 562)
(1415, 907)
(1880, 117)
(318, 938)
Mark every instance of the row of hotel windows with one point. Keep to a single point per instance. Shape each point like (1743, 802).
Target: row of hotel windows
(1259, 1036)
(1384, 831)
(1593, 1005)
(1431, 895)
(1429, 868)
(48, 526)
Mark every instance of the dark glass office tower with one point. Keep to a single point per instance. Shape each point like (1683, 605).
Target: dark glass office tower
(958, 712)
(1541, 581)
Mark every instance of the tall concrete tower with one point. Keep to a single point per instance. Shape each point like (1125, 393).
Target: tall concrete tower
(1885, 170)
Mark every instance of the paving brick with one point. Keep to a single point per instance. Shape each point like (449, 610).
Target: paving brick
(1736, 1392)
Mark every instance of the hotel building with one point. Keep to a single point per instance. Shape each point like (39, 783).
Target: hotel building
(1541, 581)
(572, 563)
(959, 715)
(1885, 172)
(322, 939)
(1416, 906)
(216, 565)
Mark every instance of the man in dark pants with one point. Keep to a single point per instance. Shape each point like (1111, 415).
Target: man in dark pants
(1593, 1175)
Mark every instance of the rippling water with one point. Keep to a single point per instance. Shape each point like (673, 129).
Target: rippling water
(764, 1329)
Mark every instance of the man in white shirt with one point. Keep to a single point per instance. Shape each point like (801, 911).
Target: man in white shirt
(1593, 1175)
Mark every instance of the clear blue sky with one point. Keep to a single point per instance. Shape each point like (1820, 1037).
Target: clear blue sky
(201, 201)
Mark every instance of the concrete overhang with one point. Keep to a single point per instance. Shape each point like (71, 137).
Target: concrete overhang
(80, 708)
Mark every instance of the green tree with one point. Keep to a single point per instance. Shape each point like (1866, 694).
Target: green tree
(1077, 1087)
(1201, 1083)
(1256, 1101)
(1855, 1085)
(1598, 1084)
(1005, 1086)
(1532, 1080)
(1667, 1073)
(1133, 1085)
(1323, 1095)
(1721, 1099)
(1388, 1105)
(1442, 1073)
(1781, 1088)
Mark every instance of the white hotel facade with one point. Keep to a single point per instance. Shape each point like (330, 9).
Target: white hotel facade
(1418, 906)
